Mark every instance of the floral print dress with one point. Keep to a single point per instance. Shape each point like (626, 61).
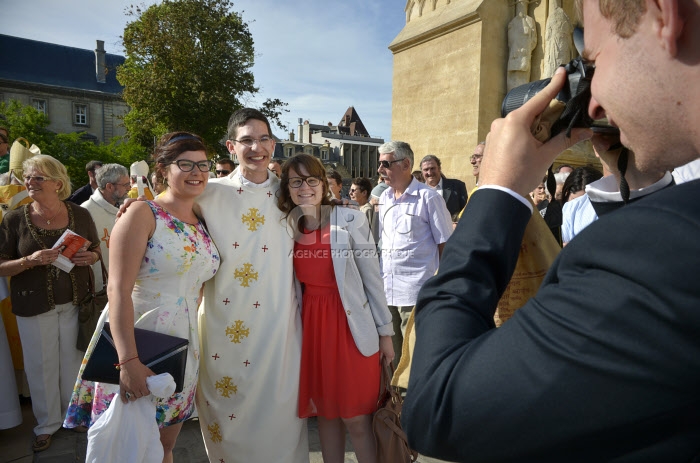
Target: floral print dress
(179, 258)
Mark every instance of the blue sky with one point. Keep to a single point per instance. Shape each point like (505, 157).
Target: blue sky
(318, 56)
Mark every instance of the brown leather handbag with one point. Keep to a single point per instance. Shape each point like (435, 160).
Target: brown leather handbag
(391, 440)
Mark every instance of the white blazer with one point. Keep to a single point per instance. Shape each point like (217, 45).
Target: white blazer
(360, 284)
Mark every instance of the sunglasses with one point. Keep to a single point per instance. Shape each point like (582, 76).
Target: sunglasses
(36, 179)
(223, 172)
(387, 164)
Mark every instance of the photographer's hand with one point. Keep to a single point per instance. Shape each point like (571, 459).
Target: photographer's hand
(513, 158)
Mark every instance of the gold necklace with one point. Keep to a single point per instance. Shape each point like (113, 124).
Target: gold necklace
(48, 221)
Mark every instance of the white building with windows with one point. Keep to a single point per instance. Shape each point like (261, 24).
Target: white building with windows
(346, 147)
(77, 89)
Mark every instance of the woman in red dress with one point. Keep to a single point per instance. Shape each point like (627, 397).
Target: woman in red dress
(347, 326)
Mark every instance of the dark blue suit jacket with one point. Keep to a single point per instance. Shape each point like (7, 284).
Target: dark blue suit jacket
(454, 192)
(81, 195)
(603, 364)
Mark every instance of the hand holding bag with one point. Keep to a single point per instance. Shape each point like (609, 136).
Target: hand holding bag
(90, 309)
(160, 352)
(391, 440)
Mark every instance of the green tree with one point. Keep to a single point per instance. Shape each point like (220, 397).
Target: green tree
(73, 151)
(187, 68)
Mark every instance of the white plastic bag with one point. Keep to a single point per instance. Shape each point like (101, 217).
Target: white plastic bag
(128, 433)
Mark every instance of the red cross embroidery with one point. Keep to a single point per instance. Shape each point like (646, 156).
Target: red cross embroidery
(257, 304)
(240, 190)
(246, 363)
(215, 356)
(231, 416)
(265, 248)
(226, 301)
(235, 245)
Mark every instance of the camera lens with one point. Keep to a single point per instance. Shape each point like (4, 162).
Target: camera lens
(521, 95)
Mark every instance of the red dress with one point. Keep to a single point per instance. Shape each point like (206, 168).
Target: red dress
(336, 381)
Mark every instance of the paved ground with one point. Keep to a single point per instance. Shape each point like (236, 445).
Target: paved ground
(69, 447)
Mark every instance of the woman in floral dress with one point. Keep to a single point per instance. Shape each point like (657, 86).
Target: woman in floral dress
(160, 256)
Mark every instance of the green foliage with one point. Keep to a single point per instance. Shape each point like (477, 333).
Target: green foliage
(187, 68)
(69, 148)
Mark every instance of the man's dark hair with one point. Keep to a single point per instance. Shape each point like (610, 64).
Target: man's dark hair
(335, 176)
(431, 157)
(226, 161)
(276, 161)
(239, 119)
(364, 184)
(92, 166)
(578, 179)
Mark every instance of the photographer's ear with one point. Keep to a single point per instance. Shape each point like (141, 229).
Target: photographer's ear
(668, 24)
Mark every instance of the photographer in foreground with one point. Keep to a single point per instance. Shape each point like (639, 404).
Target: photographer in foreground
(604, 363)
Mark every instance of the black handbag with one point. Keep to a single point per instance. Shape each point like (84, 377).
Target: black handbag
(90, 309)
(160, 352)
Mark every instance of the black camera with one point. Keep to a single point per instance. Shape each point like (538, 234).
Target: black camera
(575, 97)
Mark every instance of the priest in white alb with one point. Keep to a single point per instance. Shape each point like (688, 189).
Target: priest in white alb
(250, 324)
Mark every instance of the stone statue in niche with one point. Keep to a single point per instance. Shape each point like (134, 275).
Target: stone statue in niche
(522, 39)
(557, 39)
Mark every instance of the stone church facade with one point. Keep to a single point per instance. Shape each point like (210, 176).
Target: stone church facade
(451, 71)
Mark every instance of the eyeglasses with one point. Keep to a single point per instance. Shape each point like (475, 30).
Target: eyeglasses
(387, 164)
(296, 182)
(352, 190)
(123, 185)
(186, 165)
(222, 172)
(475, 157)
(28, 179)
(249, 142)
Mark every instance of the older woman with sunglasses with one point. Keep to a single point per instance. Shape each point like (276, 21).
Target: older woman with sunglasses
(346, 323)
(44, 298)
(160, 256)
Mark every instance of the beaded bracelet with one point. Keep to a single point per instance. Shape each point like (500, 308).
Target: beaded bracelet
(119, 365)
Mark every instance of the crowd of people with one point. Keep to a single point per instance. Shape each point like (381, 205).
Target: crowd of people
(292, 297)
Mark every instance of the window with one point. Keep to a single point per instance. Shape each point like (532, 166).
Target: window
(41, 106)
(324, 155)
(80, 114)
(290, 152)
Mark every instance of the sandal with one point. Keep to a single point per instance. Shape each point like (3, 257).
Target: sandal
(39, 444)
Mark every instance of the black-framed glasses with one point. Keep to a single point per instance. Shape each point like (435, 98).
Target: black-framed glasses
(296, 182)
(186, 165)
(475, 157)
(28, 179)
(222, 172)
(387, 164)
(249, 142)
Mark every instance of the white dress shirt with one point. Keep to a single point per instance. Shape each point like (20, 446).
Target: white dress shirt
(411, 226)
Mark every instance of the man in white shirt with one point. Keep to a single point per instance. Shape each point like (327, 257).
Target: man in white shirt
(415, 224)
(113, 187)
